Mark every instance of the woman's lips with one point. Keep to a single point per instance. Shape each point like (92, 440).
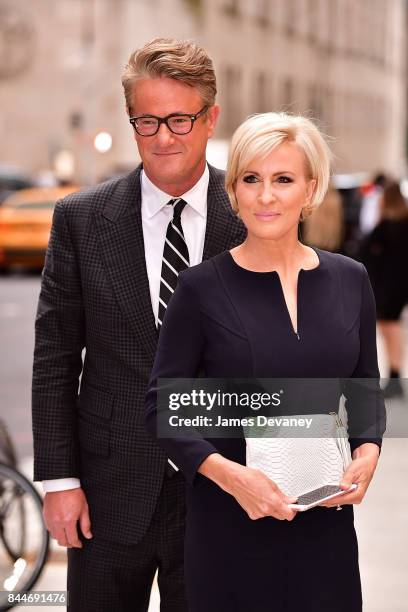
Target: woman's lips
(267, 216)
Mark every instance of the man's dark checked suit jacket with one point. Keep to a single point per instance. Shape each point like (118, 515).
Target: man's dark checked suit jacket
(95, 294)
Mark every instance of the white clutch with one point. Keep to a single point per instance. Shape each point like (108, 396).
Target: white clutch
(299, 465)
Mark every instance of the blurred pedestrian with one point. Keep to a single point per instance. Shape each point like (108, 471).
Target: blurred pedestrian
(113, 498)
(325, 228)
(370, 205)
(385, 254)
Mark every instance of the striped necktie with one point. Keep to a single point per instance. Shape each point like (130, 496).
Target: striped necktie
(175, 258)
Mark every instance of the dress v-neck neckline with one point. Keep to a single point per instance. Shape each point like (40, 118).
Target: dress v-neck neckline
(282, 293)
(286, 307)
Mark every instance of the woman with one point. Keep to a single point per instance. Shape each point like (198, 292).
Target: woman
(383, 252)
(270, 307)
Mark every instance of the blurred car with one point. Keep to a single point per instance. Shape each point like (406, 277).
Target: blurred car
(25, 224)
(12, 179)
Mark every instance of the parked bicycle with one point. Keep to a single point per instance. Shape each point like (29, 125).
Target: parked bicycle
(24, 540)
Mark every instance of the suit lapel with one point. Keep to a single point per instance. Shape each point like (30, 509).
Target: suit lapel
(120, 236)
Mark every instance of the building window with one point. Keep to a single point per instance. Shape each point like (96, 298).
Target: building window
(315, 102)
(288, 94)
(332, 24)
(259, 10)
(231, 7)
(385, 28)
(312, 14)
(352, 29)
(232, 78)
(262, 97)
(291, 16)
(330, 115)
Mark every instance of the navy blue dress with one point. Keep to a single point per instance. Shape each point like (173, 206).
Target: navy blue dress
(230, 322)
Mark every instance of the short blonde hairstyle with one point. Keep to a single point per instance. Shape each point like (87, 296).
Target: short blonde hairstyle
(260, 134)
(182, 60)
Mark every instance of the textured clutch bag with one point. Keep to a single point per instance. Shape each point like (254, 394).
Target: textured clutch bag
(301, 464)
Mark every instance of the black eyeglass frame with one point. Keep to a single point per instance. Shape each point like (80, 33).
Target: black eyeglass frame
(193, 118)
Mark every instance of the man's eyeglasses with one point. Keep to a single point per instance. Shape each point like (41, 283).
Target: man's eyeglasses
(178, 123)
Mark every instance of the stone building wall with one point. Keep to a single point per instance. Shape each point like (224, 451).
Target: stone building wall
(341, 61)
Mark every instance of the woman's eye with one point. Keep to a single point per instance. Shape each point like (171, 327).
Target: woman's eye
(285, 179)
(249, 178)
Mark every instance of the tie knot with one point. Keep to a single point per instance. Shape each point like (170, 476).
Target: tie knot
(178, 205)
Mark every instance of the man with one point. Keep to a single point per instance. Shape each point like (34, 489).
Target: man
(114, 255)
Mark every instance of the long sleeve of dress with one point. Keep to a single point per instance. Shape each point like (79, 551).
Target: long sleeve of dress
(178, 356)
(364, 399)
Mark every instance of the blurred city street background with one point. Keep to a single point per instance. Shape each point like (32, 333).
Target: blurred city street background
(63, 125)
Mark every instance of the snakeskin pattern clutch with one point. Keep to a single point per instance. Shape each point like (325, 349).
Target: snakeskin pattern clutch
(301, 464)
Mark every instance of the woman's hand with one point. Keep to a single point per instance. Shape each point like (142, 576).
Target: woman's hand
(257, 494)
(360, 471)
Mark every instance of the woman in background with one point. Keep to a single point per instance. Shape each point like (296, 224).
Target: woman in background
(385, 254)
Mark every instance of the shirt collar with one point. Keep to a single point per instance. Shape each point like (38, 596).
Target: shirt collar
(154, 199)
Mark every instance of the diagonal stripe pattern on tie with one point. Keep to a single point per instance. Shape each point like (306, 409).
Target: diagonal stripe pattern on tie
(175, 258)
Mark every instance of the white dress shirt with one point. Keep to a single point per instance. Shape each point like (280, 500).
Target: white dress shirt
(156, 215)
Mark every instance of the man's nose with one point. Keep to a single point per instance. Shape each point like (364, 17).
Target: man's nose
(164, 136)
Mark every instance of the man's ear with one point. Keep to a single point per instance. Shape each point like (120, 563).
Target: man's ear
(212, 117)
(130, 114)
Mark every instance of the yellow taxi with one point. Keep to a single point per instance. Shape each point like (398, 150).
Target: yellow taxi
(25, 224)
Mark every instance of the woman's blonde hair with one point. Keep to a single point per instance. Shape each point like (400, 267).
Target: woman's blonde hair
(262, 133)
(181, 60)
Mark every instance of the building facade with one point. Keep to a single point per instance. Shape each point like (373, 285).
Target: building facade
(343, 62)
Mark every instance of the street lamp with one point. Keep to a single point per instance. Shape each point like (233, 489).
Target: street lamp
(103, 142)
